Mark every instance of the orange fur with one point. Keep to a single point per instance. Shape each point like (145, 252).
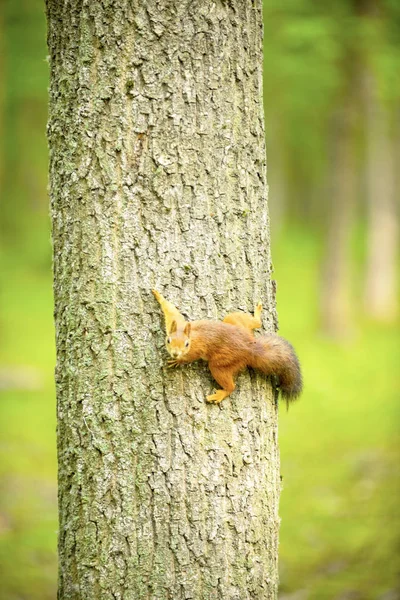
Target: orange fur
(229, 347)
(245, 320)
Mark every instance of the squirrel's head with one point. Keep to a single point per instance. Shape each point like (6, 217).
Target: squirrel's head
(178, 340)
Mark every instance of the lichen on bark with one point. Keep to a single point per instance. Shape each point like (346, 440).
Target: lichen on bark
(158, 179)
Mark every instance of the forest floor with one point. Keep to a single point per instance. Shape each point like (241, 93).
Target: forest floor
(339, 443)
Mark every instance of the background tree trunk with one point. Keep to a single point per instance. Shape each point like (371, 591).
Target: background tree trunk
(158, 179)
(335, 299)
(381, 299)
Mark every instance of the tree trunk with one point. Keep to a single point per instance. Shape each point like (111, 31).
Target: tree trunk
(335, 301)
(381, 270)
(158, 179)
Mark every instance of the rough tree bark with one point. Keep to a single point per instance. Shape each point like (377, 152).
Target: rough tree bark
(158, 179)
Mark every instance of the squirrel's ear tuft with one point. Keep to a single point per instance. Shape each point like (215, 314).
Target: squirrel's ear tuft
(186, 331)
(173, 327)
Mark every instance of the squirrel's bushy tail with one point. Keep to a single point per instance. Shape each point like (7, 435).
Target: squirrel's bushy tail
(274, 355)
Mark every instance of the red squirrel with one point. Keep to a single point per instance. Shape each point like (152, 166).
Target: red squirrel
(229, 347)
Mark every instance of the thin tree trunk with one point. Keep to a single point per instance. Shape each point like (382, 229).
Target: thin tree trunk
(382, 251)
(157, 176)
(335, 301)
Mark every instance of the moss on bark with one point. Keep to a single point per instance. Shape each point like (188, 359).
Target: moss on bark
(158, 179)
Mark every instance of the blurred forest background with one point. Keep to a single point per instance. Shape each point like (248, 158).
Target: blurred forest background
(332, 106)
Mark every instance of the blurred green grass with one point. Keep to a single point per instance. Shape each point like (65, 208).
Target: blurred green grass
(339, 445)
(28, 470)
(339, 442)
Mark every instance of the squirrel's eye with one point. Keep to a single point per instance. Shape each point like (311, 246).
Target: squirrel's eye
(187, 343)
(168, 340)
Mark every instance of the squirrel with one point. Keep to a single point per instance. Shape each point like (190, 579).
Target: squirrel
(229, 346)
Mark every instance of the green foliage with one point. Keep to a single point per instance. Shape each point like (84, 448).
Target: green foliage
(300, 80)
(315, 55)
(26, 69)
(28, 512)
(23, 146)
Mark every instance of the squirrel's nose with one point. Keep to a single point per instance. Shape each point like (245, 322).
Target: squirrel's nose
(175, 353)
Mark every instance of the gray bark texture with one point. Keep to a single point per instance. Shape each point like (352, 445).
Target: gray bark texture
(158, 180)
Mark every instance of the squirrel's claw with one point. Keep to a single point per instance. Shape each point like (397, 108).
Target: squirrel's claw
(217, 397)
(211, 399)
(172, 363)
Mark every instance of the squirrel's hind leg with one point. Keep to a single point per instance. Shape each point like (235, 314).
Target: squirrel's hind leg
(245, 320)
(225, 379)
